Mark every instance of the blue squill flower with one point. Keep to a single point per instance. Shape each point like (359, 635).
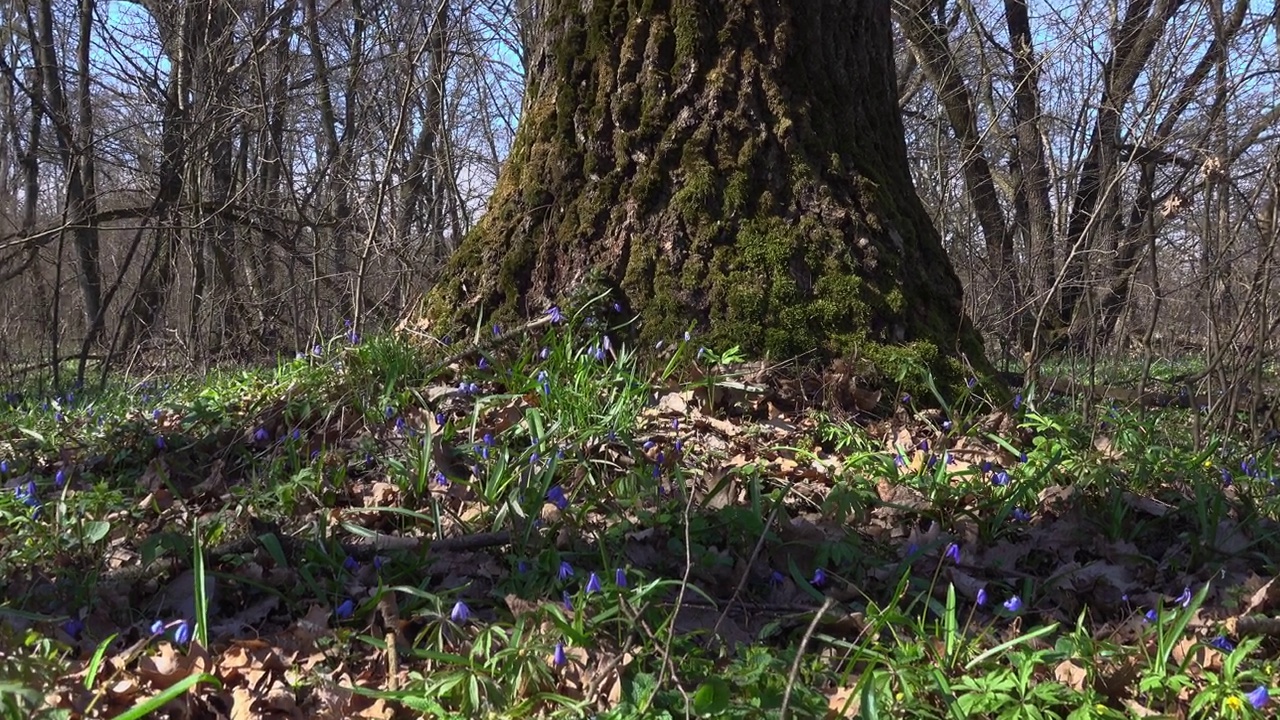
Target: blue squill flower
(345, 610)
(557, 658)
(1013, 604)
(593, 583)
(566, 570)
(1222, 644)
(461, 613)
(182, 635)
(557, 497)
(952, 553)
(1259, 697)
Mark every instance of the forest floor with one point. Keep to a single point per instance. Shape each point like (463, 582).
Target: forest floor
(550, 528)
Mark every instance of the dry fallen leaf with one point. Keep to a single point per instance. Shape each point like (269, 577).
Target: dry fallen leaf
(1072, 675)
(843, 703)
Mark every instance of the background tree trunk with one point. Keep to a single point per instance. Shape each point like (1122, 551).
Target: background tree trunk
(741, 165)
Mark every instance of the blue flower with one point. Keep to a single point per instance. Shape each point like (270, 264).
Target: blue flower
(1258, 697)
(557, 497)
(346, 609)
(1222, 644)
(497, 329)
(160, 444)
(952, 553)
(349, 564)
(378, 562)
(1017, 401)
(620, 577)
(1020, 515)
(946, 426)
(906, 399)
(1185, 598)
(26, 494)
(157, 627)
(1151, 616)
(60, 479)
(522, 567)
(390, 412)
(819, 578)
(483, 364)
(1013, 604)
(461, 613)
(487, 439)
(568, 601)
(593, 583)
(4, 467)
(1000, 478)
(295, 434)
(557, 657)
(182, 635)
(566, 570)
(556, 316)
(776, 578)
(317, 351)
(73, 627)
(971, 382)
(441, 479)
(982, 596)
(261, 435)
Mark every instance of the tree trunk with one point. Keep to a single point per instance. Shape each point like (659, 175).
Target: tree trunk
(740, 165)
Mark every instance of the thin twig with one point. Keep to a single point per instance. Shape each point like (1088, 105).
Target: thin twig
(795, 664)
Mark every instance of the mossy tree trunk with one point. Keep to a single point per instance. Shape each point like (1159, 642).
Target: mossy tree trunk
(738, 163)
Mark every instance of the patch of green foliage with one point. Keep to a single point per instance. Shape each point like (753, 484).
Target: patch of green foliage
(583, 480)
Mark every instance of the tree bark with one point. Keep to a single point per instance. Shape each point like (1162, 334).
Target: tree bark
(738, 165)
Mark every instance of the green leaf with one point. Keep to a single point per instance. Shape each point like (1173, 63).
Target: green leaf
(711, 697)
(96, 530)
